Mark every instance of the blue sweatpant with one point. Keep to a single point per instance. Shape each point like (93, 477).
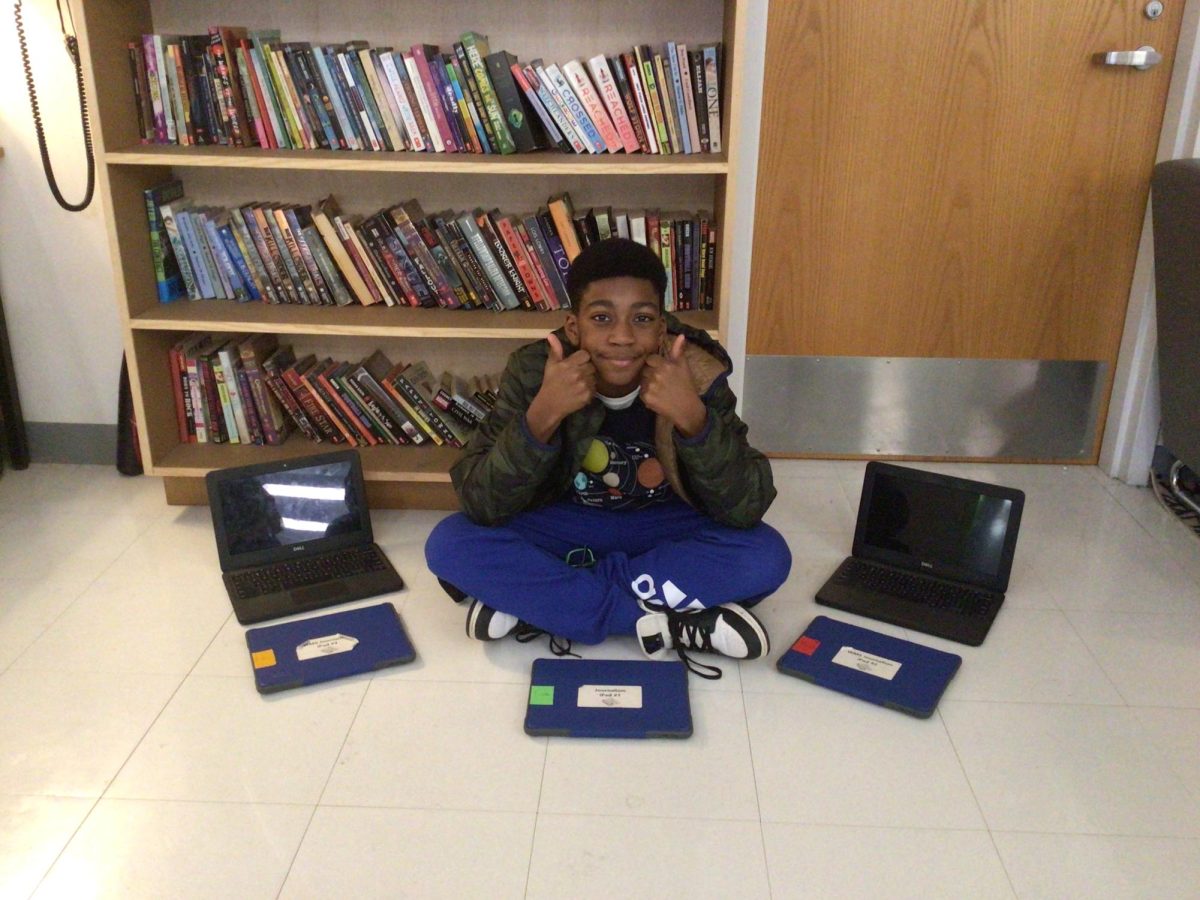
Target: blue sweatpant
(669, 552)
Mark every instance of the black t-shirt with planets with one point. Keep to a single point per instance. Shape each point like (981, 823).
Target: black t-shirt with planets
(621, 470)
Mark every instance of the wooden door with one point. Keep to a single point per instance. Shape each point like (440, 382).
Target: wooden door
(953, 178)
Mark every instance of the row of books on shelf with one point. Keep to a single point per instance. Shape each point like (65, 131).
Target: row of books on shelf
(248, 88)
(250, 389)
(399, 256)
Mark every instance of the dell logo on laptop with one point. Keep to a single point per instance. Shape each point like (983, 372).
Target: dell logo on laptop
(925, 565)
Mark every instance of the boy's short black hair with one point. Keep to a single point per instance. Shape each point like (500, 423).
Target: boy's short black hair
(615, 258)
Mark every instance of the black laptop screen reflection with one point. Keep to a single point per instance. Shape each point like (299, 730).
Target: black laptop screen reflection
(938, 525)
(298, 506)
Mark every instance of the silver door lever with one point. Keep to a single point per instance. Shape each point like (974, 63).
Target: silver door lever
(1141, 58)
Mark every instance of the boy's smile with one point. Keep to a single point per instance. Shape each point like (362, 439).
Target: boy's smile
(619, 323)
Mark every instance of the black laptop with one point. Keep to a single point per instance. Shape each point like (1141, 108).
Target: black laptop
(931, 552)
(295, 535)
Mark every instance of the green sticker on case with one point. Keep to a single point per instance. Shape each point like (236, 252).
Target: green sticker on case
(541, 695)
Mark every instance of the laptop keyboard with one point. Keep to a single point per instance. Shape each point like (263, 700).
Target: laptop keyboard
(915, 589)
(298, 573)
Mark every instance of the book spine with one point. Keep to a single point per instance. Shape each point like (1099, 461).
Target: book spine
(671, 68)
(228, 109)
(549, 266)
(226, 278)
(266, 290)
(484, 294)
(712, 96)
(444, 263)
(204, 286)
(240, 424)
(592, 105)
(564, 124)
(273, 375)
(289, 130)
(294, 105)
(427, 268)
(309, 103)
(315, 412)
(563, 217)
(645, 60)
(267, 411)
(196, 391)
(452, 104)
(435, 99)
(262, 95)
(164, 104)
(271, 277)
(366, 261)
(383, 422)
(219, 400)
(501, 252)
(495, 274)
(289, 253)
(666, 98)
(171, 227)
(558, 252)
(689, 97)
(330, 273)
(141, 91)
(388, 253)
(352, 269)
(385, 103)
(535, 102)
(332, 88)
(415, 139)
(576, 109)
(240, 266)
(260, 222)
(313, 280)
(310, 378)
(459, 69)
(180, 112)
(184, 430)
(435, 426)
(606, 87)
(472, 131)
(520, 258)
(696, 74)
(535, 262)
(359, 428)
(633, 74)
(254, 114)
(424, 102)
(354, 93)
(476, 49)
(167, 272)
(467, 76)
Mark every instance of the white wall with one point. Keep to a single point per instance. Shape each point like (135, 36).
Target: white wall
(55, 277)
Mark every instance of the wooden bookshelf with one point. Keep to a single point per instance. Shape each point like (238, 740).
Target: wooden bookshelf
(397, 476)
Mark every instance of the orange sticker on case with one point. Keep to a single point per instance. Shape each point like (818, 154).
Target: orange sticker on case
(263, 659)
(806, 645)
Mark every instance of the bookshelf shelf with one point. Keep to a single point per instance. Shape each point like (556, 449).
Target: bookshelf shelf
(392, 322)
(416, 477)
(546, 163)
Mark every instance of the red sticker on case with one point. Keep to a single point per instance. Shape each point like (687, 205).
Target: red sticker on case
(806, 645)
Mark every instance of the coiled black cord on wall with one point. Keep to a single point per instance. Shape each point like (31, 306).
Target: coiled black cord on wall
(73, 49)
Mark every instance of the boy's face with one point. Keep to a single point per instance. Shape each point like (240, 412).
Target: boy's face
(619, 324)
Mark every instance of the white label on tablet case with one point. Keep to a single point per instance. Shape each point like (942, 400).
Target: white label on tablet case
(326, 646)
(613, 696)
(867, 662)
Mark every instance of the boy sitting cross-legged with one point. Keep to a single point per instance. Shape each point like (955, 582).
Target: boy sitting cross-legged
(612, 489)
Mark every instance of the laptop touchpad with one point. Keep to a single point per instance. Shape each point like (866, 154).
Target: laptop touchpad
(320, 593)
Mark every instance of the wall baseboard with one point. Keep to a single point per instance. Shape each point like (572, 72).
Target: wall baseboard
(66, 442)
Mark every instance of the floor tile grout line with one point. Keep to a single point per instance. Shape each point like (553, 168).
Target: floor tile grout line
(762, 837)
(537, 813)
(324, 787)
(978, 805)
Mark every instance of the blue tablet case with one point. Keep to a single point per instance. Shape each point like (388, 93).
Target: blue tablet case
(321, 648)
(875, 667)
(608, 698)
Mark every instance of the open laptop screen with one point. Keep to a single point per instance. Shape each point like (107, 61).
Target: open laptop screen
(273, 511)
(950, 527)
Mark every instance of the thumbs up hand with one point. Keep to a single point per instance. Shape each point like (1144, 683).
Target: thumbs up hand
(568, 383)
(667, 389)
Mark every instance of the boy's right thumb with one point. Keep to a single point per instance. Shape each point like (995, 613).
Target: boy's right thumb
(556, 349)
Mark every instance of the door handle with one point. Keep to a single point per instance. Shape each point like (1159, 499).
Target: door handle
(1141, 58)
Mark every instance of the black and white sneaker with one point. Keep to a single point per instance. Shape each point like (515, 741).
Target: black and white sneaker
(731, 630)
(487, 624)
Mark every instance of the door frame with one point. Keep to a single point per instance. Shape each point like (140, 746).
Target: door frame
(1131, 429)
(1134, 413)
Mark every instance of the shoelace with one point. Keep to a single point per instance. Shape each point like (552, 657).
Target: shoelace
(558, 646)
(684, 631)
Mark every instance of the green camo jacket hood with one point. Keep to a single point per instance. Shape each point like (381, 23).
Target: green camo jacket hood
(504, 470)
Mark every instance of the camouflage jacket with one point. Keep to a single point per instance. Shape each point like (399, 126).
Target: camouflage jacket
(504, 470)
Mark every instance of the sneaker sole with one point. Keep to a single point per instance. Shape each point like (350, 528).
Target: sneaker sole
(756, 628)
(473, 615)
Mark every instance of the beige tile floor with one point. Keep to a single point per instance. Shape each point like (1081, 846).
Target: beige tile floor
(137, 760)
